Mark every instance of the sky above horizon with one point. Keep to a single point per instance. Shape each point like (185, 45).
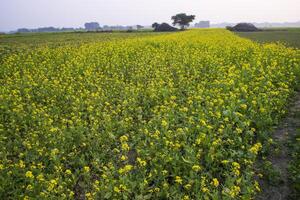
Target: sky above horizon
(16, 14)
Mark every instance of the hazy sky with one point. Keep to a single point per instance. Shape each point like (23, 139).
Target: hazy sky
(74, 13)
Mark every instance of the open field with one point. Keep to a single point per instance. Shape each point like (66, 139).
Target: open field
(71, 38)
(287, 36)
(153, 116)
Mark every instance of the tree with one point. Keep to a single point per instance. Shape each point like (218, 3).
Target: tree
(164, 27)
(155, 25)
(243, 27)
(182, 20)
(92, 26)
(139, 27)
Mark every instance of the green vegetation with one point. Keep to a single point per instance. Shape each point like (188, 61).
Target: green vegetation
(138, 116)
(71, 38)
(294, 167)
(26, 42)
(287, 36)
(183, 20)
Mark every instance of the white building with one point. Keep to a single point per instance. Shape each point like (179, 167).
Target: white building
(203, 24)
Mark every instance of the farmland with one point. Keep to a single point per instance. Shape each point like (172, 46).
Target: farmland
(71, 38)
(180, 115)
(287, 36)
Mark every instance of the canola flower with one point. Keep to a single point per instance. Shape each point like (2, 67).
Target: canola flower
(255, 148)
(154, 116)
(215, 182)
(125, 169)
(178, 180)
(29, 175)
(86, 169)
(196, 168)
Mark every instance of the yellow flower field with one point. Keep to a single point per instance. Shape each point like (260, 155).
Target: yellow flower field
(169, 116)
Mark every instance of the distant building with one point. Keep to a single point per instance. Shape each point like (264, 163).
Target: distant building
(92, 26)
(203, 24)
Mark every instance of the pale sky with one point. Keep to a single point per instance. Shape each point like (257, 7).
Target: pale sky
(74, 13)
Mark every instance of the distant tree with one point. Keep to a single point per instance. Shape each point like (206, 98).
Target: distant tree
(46, 29)
(139, 27)
(67, 29)
(129, 29)
(230, 28)
(164, 27)
(155, 25)
(23, 30)
(182, 20)
(92, 26)
(243, 27)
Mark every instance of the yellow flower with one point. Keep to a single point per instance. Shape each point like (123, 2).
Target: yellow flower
(256, 185)
(29, 174)
(205, 189)
(166, 185)
(86, 169)
(255, 148)
(71, 194)
(116, 189)
(52, 184)
(145, 182)
(126, 93)
(125, 147)
(236, 165)
(141, 162)
(234, 191)
(21, 164)
(40, 177)
(123, 138)
(262, 110)
(244, 106)
(202, 122)
(186, 197)
(188, 186)
(29, 187)
(53, 129)
(123, 187)
(88, 195)
(128, 167)
(238, 130)
(178, 180)
(215, 182)
(123, 157)
(125, 169)
(225, 162)
(164, 123)
(54, 152)
(196, 168)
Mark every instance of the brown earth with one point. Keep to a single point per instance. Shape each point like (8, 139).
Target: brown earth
(280, 157)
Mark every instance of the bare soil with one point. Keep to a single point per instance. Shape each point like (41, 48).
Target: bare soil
(281, 159)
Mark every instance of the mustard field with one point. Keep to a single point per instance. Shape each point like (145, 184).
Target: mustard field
(164, 116)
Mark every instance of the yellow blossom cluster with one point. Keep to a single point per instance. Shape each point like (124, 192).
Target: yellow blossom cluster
(139, 116)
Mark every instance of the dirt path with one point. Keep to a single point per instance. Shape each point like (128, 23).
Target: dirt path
(280, 190)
